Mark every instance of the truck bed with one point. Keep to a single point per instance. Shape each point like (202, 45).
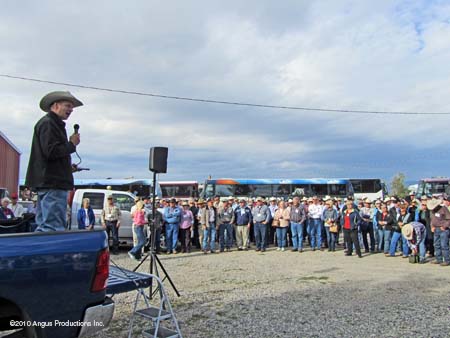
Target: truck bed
(48, 275)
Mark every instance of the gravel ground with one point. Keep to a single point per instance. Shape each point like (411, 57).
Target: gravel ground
(288, 294)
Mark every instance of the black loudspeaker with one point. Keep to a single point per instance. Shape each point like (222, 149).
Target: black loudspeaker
(158, 159)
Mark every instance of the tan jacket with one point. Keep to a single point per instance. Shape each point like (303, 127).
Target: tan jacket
(206, 214)
(283, 215)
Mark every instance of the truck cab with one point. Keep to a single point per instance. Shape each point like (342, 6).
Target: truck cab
(98, 197)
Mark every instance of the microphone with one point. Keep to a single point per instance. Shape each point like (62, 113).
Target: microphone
(76, 127)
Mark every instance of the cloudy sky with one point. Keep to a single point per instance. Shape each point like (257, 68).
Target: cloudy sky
(362, 55)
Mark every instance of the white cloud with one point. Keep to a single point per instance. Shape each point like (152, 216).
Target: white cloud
(353, 55)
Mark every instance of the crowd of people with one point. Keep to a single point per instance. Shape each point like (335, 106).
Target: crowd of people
(418, 227)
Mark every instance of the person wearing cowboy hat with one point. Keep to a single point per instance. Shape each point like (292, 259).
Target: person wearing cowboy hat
(270, 234)
(225, 219)
(366, 226)
(50, 169)
(198, 237)
(415, 234)
(186, 226)
(315, 211)
(440, 225)
(243, 220)
(208, 222)
(261, 217)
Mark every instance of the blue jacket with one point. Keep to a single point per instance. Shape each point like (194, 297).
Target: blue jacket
(3, 215)
(172, 215)
(243, 219)
(81, 218)
(355, 219)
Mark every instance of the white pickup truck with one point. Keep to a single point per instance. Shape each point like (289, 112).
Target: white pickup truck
(97, 197)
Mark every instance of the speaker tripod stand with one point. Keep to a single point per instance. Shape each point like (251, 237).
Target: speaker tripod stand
(151, 246)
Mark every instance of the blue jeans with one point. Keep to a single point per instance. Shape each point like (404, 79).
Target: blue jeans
(396, 236)
(137, 250)
(316, 233)
(225, 236)
(331, 239)
(380, 239)
(281, 237)
(171, 236)
(387, 240)
(260, 235)
(209, 235)
(422, 247)
(51, 210)
(297, 235)
(441, 250)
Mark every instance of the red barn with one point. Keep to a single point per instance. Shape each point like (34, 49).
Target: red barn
(9, 165)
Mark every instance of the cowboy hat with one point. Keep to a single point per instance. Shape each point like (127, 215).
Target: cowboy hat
(433, 204)
(50, 98)
(407, 231)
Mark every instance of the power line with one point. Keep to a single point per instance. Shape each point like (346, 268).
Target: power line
(247, 104)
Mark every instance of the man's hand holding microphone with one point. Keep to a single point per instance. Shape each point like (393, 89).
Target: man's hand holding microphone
(75, 137)
(75, 140)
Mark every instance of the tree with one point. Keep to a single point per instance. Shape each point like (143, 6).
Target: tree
(398, 187)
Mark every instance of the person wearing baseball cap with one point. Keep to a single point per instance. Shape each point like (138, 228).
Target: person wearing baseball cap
(50, 167)
(172, 216)
(440, 223)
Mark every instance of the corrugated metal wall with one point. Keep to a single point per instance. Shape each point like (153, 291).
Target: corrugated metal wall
(9, 166)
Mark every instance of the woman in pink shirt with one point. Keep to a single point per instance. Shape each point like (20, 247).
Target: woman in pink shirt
(187, 220)
(139, 221)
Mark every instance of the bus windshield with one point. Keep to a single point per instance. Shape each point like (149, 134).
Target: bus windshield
(179, 189)
(433, 187)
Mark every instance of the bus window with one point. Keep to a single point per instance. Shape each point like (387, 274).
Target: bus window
(301, 190)
(357, 186)
(242, 190)
(281, 190)
(260, 190)
(337, 190)
(319, 189)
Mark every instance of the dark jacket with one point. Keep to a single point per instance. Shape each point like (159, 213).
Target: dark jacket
(390, 221)
(81, 218)
(355, 219)
(4, 213)
(50, 163)
(406, 218)
(423, 216)
(243, 218)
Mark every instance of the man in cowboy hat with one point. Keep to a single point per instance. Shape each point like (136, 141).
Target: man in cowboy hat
(440, 225)
(50, 168)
